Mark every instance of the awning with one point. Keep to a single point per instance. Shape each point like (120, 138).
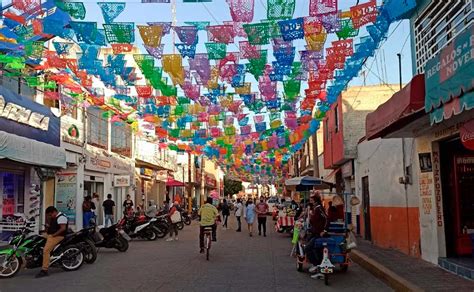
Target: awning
(453, 108)
(450, 79)
(171, 182)
(402, 108)
(30, 151)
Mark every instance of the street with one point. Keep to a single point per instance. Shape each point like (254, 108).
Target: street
(237, 263)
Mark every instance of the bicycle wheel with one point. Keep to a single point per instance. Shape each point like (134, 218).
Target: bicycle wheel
(208, 246)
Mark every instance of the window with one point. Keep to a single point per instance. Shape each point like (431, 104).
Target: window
(336, 118)
(121, 139)
(437, 25)
(97, 128)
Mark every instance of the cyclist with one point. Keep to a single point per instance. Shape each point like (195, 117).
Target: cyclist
(207, 214)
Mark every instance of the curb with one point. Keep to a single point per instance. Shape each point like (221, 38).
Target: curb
(388, 276)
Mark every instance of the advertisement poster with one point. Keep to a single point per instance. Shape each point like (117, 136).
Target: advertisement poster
(66, 186)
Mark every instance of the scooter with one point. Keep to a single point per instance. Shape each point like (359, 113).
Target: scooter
(136, 228)
(28, 248)
(110, 237)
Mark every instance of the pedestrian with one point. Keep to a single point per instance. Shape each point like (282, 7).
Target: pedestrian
(318, 221)
(166, 207)
(108, 205)
(87, 211)
(128, 206)
(225, 213)
(238, 214)
(262, 211)
(175, 217)
(250, 215)
(151, 210)
(96, 201)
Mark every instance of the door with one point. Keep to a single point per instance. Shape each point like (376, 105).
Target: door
(366, 207)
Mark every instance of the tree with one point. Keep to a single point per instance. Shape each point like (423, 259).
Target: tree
(231, 187)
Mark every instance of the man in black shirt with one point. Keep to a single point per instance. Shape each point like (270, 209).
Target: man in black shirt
(109, 205)
(56, 230)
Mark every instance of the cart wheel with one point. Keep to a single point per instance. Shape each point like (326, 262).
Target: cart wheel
(326, 279)
(344, 268)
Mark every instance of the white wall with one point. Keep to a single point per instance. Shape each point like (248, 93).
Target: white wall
(380, 159)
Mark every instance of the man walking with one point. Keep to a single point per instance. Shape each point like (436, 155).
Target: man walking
(225, 213)
(262, 210)
(108, 205)
(238, 214)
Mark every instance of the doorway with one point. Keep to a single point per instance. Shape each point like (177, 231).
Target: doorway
(366, 208)
(91, 187)
(457, 176)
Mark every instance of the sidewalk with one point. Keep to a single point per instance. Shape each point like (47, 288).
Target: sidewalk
(406, 273)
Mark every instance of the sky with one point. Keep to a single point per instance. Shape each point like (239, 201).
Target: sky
(383, 68)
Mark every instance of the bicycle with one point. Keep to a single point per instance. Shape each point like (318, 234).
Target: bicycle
(207, 240)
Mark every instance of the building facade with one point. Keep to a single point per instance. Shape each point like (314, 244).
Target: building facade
(442, 127)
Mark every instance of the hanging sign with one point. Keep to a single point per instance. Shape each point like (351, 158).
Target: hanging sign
(121, 181)
(467, 134)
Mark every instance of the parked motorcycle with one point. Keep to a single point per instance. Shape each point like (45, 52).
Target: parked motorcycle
(83, 239)
(110, 237)
(186, 218)
(28, 248)
(137, 227)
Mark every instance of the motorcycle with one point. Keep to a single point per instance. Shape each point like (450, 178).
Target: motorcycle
(186, 218)
(83, 239)
(28, 248)
(110, 237)
(137, 227)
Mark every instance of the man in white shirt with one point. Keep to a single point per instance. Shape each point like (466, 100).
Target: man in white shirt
(238, 213)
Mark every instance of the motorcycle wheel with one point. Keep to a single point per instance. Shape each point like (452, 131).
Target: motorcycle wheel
(14, 265)
(180, 225)
(90, 252)
(122, 244)
(160, 230)
(326, 279)
(149, 234)
(72, 259)
(187, 220)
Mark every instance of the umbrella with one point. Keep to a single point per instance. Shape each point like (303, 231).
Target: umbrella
(306, 183)
(214, 194)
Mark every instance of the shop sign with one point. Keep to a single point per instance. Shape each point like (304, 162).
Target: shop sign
(146, 171)
(210, 182)
(21, 116)
(467, 135)
(449, 73)
(437, 187)
(65, 201)
(162, 175)
(72, 131)
(122, 181)
(106, 164)
(425, 162)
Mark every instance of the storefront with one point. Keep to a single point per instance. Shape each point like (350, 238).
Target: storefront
(444, 132)
(30, 154)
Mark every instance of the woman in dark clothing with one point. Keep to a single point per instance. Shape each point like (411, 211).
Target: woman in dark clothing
(225, 213)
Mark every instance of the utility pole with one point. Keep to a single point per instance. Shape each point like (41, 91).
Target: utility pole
(400, 68)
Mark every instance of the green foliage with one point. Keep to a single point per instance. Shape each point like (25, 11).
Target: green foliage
(231, 187)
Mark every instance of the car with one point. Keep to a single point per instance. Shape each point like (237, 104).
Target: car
(272, 201)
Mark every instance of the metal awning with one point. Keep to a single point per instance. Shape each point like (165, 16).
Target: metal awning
(404, 107)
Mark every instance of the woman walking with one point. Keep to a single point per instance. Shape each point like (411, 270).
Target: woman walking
(175, 217)
(250, 215)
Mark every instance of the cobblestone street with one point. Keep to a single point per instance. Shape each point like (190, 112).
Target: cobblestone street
(237, 263)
